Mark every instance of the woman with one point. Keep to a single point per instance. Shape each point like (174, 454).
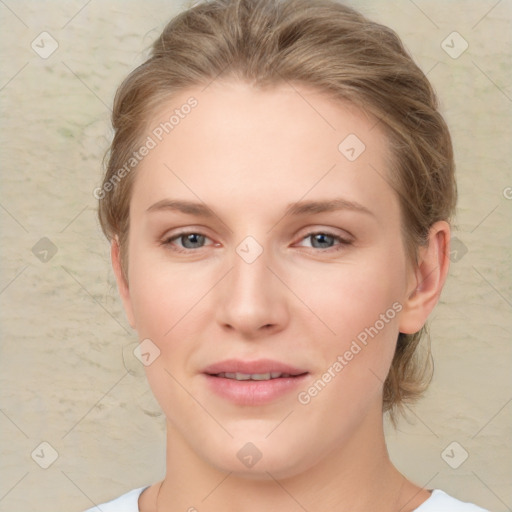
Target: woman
(278, 197)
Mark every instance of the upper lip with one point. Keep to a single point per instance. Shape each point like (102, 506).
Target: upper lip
(252, 367)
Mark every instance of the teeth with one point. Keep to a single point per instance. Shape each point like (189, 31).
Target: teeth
(258, 376)
(253, 376)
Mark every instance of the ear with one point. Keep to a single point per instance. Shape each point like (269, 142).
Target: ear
(122, 283)
(427, 279)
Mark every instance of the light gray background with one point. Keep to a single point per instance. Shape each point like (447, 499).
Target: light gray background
(64, 380)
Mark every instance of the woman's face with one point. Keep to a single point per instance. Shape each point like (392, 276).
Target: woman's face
(267, 269)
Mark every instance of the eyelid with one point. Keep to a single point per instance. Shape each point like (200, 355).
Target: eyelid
(168, 239)
(338, 233)
(185, 230)
(343, 239)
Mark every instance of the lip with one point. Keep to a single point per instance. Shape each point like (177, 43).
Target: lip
(253, 392)
(258, 366)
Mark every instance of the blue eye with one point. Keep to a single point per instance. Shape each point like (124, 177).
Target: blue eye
(323, 240)
(187, 241)
(326, 241)
(192, 240)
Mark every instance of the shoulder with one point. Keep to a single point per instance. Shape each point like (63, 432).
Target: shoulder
(439, 501)
(128, 502)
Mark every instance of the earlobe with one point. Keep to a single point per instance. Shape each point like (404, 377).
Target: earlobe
(428, 280)
(121, 279)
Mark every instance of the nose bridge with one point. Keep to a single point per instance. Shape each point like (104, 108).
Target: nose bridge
(250, 297)
(250, 276)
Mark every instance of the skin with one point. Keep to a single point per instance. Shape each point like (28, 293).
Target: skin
(248, 154)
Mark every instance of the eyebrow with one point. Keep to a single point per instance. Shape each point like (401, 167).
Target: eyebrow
(189, 207)
(304, 207)
(298, 208)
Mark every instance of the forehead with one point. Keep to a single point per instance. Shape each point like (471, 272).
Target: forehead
(235, 144)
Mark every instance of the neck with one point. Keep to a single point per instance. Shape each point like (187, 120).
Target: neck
(357, 476)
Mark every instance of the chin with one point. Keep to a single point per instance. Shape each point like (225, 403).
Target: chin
(261, 459)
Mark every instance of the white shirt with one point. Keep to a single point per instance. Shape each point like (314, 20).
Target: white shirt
(439, 501)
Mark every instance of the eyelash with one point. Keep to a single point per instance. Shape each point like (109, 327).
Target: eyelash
(168, 242)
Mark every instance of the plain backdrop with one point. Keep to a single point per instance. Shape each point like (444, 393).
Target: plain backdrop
(68, 377)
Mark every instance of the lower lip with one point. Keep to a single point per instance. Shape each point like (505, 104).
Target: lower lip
(254, 392)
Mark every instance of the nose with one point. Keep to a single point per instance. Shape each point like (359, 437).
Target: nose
(251, 299)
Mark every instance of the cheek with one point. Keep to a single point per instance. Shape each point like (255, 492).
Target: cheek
(172, 306)
(361, 304)
(356, 361)
(164, 295)
(353, 296)
(168, 308)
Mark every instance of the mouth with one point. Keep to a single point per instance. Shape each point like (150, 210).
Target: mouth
(253, 382)
(254, 376)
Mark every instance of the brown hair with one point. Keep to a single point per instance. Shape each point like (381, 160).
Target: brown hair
(318, 43)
